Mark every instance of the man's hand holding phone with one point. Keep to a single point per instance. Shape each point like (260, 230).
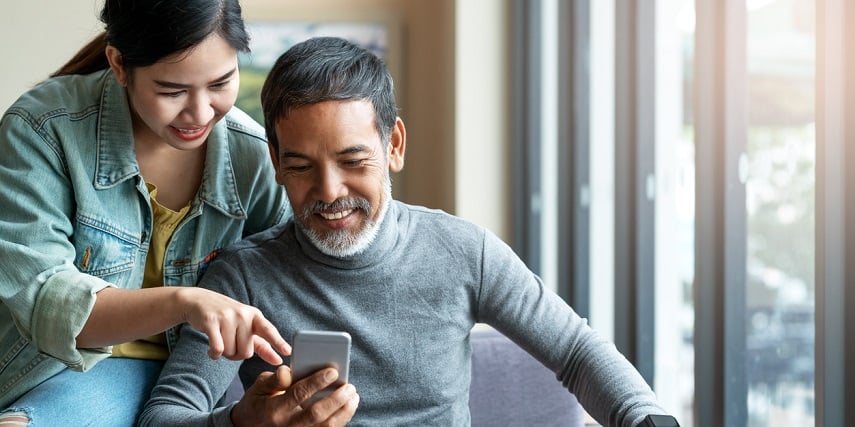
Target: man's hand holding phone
(321, 397)
(316, 350)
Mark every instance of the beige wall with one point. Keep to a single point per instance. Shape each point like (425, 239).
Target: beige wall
(450, 68)
(38, 37)
(482, 126)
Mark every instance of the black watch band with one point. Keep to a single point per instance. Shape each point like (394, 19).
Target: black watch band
(660, 421)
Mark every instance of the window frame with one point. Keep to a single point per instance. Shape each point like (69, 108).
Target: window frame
(835, 213)
(635, 199)
(526, 133)
(720, 213)
(574, 155)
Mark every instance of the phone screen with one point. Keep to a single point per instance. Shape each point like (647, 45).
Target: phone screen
(315, 350)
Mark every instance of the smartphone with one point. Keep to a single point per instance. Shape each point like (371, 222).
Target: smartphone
(315, 350)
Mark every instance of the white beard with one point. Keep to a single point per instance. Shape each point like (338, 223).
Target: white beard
(344, 243)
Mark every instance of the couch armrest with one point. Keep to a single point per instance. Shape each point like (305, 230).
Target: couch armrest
(511, 388)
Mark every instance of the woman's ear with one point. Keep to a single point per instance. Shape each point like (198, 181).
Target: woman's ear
(397, 146)
(114, 57)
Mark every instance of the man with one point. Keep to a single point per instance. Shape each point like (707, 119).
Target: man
(408, 283)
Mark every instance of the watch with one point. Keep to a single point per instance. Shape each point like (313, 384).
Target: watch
(660, 421)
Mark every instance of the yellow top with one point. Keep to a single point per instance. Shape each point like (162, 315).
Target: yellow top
(165, 222)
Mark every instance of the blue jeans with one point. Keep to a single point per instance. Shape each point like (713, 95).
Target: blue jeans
(112, 393)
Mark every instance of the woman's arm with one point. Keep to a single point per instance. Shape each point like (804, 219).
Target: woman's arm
(235, 331)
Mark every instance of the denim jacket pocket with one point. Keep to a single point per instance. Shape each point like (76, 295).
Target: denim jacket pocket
(187, 272)
(104, 250)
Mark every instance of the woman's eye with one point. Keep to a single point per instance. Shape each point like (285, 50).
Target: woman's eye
(296, 168)
(172, 94)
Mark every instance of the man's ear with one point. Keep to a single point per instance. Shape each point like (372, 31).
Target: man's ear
(114, 58)
(275, 159)
(397, 146)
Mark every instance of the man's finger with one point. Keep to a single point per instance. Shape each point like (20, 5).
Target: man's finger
(346, 412)
(305, 388)
(337, 408)
(277, 382)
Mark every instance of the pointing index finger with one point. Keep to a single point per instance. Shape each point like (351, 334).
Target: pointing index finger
(266, 331)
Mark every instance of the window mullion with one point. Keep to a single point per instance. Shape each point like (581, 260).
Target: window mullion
(526, 131)
(720, 213)
(835, 223)
(635, 183)
(573, 150)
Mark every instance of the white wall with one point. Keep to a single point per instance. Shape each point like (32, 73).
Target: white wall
(38, 37)
(482, 182)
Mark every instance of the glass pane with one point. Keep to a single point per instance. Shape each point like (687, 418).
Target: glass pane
(602, 191)
(675, 202)
(780, 213)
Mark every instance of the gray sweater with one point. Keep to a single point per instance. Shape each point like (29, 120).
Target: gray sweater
(409, 302)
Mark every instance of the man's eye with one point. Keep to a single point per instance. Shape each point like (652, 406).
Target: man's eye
(354, 163)
(220, 85)
(172, 94)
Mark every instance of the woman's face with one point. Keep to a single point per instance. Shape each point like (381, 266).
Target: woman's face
(177, 100)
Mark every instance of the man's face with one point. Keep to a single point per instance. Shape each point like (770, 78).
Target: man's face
(336, 172)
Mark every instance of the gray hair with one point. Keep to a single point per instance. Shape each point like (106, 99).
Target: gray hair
(324, 69)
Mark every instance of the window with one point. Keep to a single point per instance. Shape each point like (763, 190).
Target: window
(602, 189)
(701, 156)
(675, 207)
(780, 212)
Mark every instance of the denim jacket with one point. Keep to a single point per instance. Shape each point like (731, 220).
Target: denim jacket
(75, 217)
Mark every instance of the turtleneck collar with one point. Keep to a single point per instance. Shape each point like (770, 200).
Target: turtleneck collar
(384, 242)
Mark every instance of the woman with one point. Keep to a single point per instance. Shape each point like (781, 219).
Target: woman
(122, 176)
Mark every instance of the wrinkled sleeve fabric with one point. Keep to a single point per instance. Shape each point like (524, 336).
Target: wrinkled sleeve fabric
(48, 298)
(191, 383)
(514, 301)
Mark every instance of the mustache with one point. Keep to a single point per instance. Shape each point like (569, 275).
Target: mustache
(336, 205)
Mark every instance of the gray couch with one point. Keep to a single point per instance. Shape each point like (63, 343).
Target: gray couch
(509, 387)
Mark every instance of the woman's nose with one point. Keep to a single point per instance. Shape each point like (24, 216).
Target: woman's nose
(200, 109)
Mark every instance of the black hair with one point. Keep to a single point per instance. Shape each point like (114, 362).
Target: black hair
(146, 31)
(323, 69)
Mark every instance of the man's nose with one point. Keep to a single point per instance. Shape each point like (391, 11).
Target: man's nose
(330, 185)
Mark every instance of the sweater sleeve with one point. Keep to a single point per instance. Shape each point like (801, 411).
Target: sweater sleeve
(515, 301)
(190, 386)
(191, 383)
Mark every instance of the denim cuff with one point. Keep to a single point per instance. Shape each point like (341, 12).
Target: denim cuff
(61, 310)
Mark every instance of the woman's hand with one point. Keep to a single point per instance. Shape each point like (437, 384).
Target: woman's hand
(235, 331)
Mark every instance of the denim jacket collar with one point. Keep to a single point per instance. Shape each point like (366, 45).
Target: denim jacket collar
(218, 183)
(117, 160)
